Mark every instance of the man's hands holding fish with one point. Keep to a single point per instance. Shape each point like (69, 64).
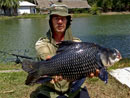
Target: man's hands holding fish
(60, 78)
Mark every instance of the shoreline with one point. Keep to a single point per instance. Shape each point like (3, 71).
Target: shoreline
(73, 15)
(116, 13)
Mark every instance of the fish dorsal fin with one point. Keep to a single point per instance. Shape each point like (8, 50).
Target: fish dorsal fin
(66, 43)
(64, 46)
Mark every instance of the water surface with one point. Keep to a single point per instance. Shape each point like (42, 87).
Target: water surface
(19, 35)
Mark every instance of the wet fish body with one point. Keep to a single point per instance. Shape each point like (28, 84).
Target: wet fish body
(73, 61)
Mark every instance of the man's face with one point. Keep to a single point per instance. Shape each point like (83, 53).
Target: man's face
(59, 23)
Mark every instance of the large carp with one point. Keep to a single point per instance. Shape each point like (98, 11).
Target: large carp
(73, 61)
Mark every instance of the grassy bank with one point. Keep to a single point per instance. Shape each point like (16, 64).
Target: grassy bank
(9, 66)
(12, 84)
(113, 89)
(122, 63)
(81, 15)
(24, 16)
(39, 16)
(73, 15)
(32, 16)
(116, 13)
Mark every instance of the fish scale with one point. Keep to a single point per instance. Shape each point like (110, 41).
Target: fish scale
(74, 60)
(77, 69)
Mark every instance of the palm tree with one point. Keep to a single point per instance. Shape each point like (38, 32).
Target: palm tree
(7, 5)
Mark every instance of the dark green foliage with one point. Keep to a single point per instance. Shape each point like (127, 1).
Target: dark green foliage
(78, 10)
(7, 5)
(95, 9)
(111, 5)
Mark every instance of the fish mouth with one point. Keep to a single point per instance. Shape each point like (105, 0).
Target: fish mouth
(119, 57)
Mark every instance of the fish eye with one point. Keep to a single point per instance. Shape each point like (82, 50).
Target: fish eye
(114, 54)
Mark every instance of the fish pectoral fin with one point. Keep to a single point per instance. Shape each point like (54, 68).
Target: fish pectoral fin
(43, 79)
(66, 43)
(31, 78)
(103, 75)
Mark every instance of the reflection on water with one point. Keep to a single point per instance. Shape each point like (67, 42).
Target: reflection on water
(109, 31)
(21, 34)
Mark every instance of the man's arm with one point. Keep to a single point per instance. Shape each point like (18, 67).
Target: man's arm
(43, 53)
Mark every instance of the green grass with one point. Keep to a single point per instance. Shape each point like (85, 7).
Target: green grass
(12, 84)
(45, 15)
(32, 16)
(39, 16)
(113, 89)
(5, 17)
(9, 66)
(24, 16)
(122, 63)
(81, 15)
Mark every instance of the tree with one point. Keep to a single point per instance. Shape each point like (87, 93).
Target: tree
(7, 5)
(111, 5)
(106, 5)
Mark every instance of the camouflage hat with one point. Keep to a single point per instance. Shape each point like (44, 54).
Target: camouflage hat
(59, 9)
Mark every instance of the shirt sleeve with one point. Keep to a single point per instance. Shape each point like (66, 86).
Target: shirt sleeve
(42, 48)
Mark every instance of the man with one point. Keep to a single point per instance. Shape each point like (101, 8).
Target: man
(60, 30)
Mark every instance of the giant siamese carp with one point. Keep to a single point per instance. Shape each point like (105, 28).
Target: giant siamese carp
(73, 61)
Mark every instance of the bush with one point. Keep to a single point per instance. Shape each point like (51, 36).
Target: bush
(95, 10)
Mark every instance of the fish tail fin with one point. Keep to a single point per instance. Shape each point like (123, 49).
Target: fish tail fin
(27, 66)
(32, 69)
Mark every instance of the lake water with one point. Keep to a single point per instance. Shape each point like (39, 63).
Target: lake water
(19, 35)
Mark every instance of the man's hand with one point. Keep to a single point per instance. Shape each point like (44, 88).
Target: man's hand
(60, 78)
(95, 74)
(48, 57)
(56, 79)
